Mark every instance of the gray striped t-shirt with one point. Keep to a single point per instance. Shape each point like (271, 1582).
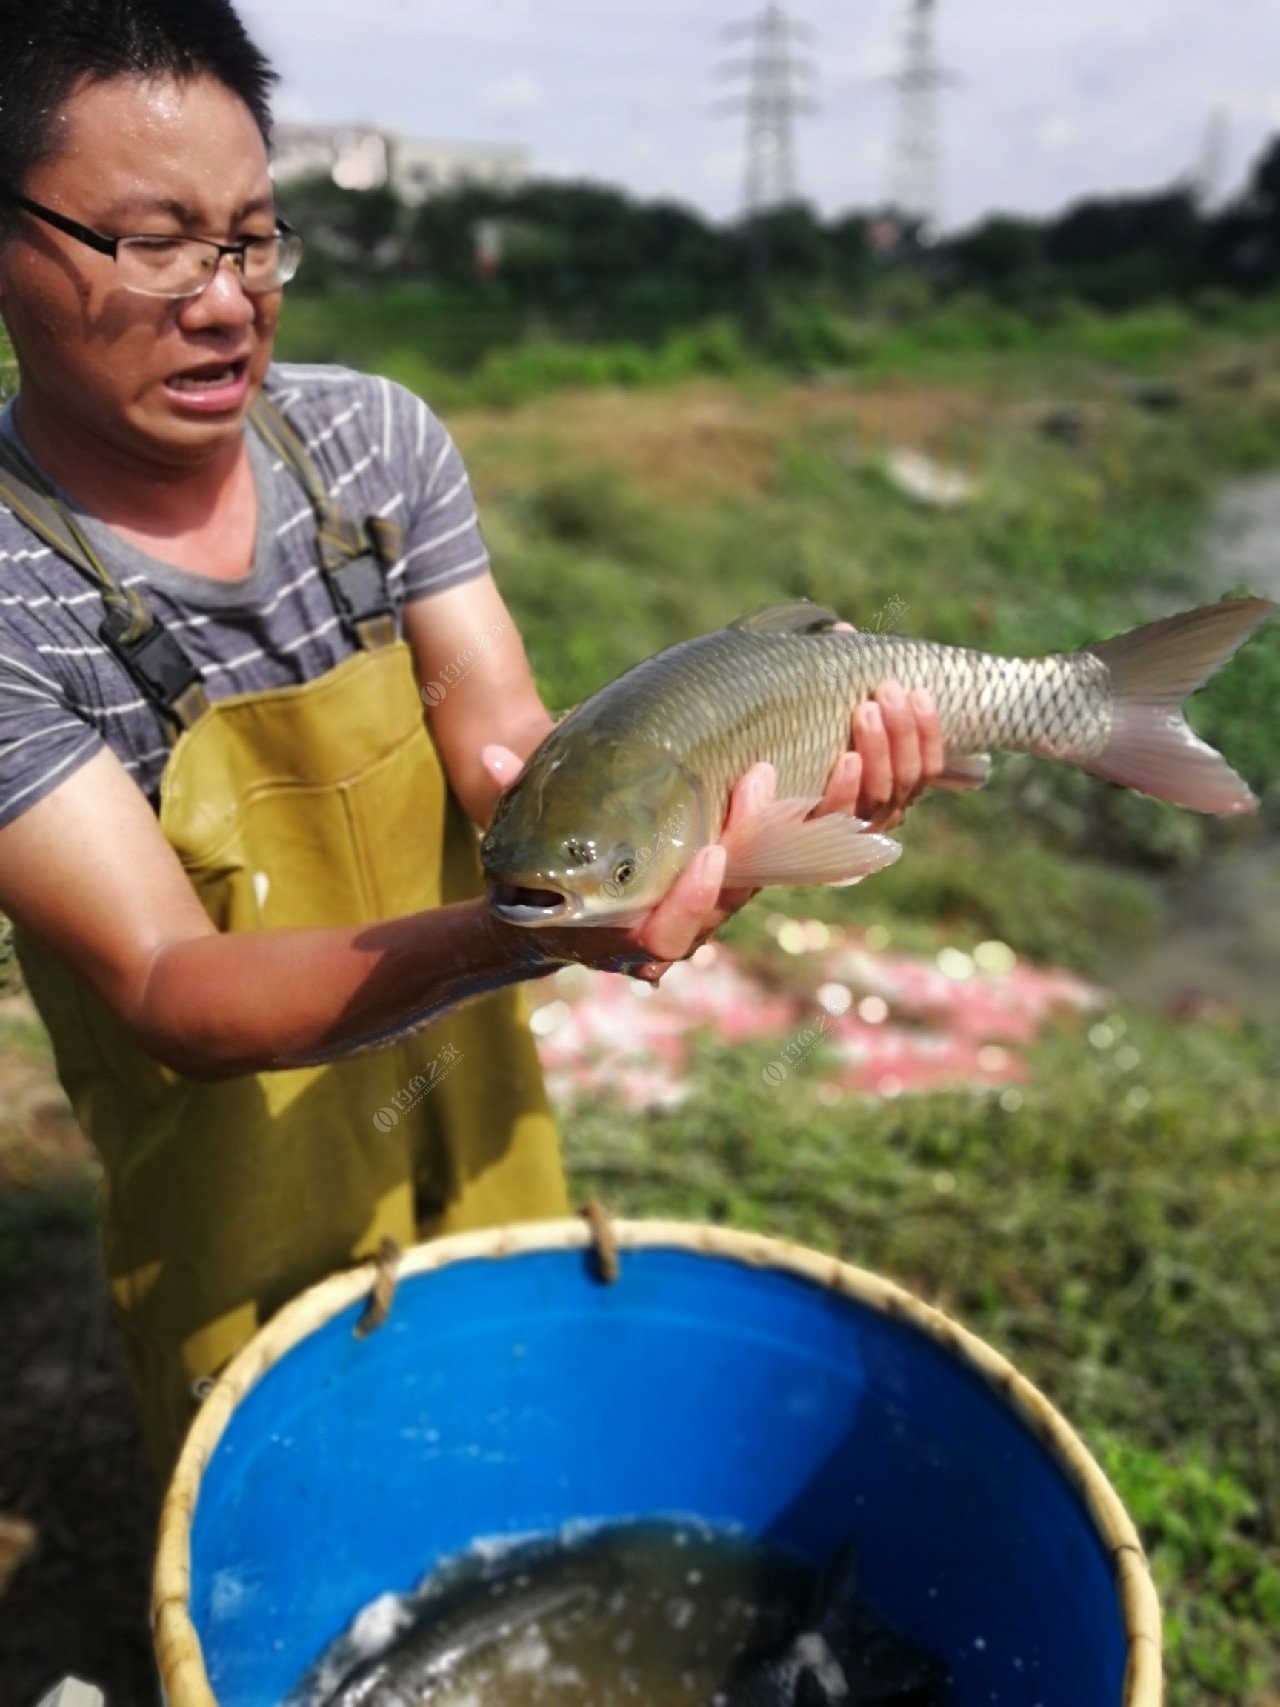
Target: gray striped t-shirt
(63, 696)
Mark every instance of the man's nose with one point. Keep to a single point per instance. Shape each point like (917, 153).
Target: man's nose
(223, 301)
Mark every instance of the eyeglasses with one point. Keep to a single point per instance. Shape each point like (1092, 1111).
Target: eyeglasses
(181, 266)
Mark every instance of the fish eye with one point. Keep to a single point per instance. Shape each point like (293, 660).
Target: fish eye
(624, 871)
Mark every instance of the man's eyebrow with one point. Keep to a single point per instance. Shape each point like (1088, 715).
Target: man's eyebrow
(134, 207)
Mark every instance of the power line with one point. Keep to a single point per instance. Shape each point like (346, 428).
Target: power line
(774, 71)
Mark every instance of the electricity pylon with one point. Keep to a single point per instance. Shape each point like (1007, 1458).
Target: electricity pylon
(775, 72)
(915, 187)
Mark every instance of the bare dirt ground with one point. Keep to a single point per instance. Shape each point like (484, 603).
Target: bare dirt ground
(72, 1462)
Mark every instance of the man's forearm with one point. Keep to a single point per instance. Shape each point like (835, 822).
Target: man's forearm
(250, 1001)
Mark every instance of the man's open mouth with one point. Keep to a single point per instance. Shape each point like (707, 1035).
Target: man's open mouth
(214, 376)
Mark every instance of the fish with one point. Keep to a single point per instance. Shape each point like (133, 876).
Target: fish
(624, 791)
(452, 1630)
(842, 1656)
(649, 1612)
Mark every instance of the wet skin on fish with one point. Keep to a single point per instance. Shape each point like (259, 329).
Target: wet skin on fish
(834, 1652)
(620, 796)
(421, 1665)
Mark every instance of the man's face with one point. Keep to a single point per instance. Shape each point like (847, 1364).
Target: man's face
(167, 381)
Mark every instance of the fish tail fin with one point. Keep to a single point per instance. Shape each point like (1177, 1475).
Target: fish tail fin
(1153, 670)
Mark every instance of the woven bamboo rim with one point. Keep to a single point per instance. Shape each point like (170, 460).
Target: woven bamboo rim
(177, 1646)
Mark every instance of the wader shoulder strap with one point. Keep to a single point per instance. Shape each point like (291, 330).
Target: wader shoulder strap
(129, 628)
(354, 558)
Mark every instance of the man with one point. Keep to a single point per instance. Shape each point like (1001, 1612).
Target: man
(228, 842)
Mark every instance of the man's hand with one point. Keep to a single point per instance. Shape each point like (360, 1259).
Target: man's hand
(501, 767)
(897, 749)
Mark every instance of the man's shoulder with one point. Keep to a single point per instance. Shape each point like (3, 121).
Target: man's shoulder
(306, 389)
(345, 416)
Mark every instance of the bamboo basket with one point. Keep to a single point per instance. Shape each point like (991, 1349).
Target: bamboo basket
(178, 1649)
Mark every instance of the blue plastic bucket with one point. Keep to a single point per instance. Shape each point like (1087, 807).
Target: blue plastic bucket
(731, 1378)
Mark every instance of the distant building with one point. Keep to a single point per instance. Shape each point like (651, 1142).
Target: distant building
(362, 157)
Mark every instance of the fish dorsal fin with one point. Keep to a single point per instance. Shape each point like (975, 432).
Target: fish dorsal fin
(802, 616)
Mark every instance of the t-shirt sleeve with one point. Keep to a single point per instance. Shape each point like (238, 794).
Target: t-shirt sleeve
(42, 741)
(442, 546)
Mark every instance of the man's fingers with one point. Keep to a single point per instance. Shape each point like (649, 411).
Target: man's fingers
(844, 787)
(500, 764)
(689, 910)
(752, 792)
(904, 740)
(933, 749)
(871, 742)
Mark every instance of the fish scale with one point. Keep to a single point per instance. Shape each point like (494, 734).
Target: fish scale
(726, 700)
(616, 801)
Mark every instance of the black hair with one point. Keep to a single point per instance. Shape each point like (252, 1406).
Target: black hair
(47, 47)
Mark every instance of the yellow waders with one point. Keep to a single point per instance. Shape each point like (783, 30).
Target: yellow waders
(318, 805)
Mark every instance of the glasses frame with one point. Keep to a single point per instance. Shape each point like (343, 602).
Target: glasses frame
(111, 245)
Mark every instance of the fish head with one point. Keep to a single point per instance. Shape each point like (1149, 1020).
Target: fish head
(593, 832)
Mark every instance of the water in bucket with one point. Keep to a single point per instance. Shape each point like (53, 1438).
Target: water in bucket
(757, 1388)
(666, 1614)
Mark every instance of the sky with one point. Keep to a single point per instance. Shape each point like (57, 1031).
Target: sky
(1053, 99)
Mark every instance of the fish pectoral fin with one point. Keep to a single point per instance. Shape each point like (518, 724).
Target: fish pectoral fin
(801, 616)
(782, 844)
(964, 770)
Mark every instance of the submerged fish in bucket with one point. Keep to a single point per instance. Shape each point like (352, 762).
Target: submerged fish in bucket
(620, 796)
(653, 1612)
(844, 1656)
(459, 1628)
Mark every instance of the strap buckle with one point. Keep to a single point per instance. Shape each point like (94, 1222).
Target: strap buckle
(157, 663)
(359, 588)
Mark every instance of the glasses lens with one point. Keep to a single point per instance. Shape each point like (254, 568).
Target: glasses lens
(260, 268)
(291, 247)
(184, 266)
(165, 266)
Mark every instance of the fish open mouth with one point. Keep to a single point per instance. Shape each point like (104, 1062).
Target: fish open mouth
(523, 906)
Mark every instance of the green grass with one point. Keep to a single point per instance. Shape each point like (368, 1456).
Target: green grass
(1064, 544)
(468, 349)
(1123, 1249)
(1123, 1252)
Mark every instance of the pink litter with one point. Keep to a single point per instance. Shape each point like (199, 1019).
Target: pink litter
(860, 1021)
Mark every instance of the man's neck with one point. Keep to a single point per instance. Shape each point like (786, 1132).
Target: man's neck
(201, 516)
(158, 500)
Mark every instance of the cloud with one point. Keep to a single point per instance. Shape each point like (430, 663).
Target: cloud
(518, 95)
(1056, 102)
